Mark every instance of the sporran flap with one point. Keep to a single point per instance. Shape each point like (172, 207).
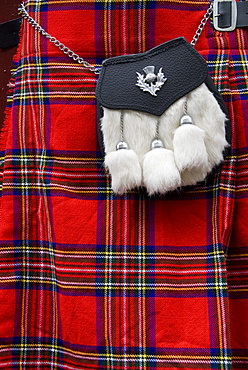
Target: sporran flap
(150, 82)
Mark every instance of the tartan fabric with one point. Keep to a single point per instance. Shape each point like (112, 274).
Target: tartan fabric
(89, 280)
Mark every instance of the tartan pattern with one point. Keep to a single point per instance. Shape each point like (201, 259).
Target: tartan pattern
(89, 280)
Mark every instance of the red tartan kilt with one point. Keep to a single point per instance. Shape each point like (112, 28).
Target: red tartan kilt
(91, 280)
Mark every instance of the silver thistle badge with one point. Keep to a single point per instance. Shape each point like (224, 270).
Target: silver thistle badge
(150, 82)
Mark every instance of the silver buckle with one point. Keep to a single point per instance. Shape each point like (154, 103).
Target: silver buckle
(216, 15)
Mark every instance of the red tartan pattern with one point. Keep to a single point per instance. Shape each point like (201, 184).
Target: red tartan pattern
(89, 280)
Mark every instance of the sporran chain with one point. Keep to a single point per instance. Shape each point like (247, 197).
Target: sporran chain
(201, 26)
(56, 42)
(81, 60)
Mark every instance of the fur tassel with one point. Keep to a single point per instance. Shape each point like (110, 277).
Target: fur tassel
(189, 147)
(125, 170)
(160, 173)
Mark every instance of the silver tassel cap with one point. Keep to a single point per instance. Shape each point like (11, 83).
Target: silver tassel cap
(122, 145)
(157, 143)
(186, 119)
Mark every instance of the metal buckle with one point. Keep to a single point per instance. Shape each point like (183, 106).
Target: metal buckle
(216, 15)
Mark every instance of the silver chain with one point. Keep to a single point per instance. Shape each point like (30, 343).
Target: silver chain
(201, 26)
(122, 126)
(56, 42)
(79, 59)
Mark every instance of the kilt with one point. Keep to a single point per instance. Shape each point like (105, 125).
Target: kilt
(91, 280)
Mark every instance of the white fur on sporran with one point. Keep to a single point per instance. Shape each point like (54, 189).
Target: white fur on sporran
(189, 147)
(140, 130)
(160, 173)
(125, 169)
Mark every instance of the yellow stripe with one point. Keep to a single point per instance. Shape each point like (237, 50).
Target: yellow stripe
(143, 275)
(234, 92)
(53, 157)
(126, 355)
(107, 262)
(106, 287)
(217, 188)
(97, 190)
(104, 253)
(237, 255)
(51, 96)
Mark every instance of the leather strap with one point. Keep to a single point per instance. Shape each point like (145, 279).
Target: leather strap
(242, 20)
(224, 14)
(9, 33)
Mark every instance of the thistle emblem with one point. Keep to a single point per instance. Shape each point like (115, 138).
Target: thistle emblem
(150, 82)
